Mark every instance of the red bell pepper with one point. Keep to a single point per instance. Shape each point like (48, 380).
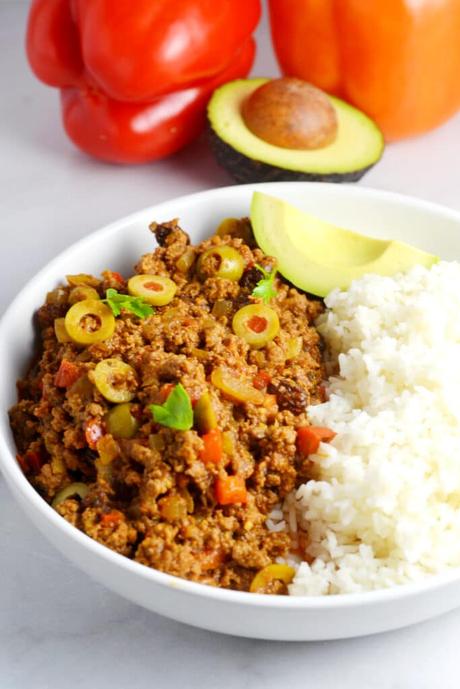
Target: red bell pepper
(135, 79)
(67, 374)
(31, 462)
(112, 519)
(261, 380)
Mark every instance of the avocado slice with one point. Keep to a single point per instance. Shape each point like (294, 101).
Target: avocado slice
(358, 146)
(318, 256)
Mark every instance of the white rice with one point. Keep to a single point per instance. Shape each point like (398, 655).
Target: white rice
(384, 507)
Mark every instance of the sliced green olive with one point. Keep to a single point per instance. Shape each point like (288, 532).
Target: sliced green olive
(186, 261)
(154, 289)
(120, 421)
(115, 380)
(236, 227)
(59, 330)
(80, 490)
(204, 416)
(83, 279)
(235, 387)
(89, 321)
(257, 324)
(266, 577)
(82, 292)
(58, 297)
(221, 262)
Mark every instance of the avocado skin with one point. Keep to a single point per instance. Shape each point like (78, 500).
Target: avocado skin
(245, 170)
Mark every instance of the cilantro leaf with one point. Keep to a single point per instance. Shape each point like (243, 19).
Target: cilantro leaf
(135, 305)
(265, 287)
(176, 412)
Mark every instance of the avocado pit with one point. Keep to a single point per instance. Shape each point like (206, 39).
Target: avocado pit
(290, 113)
(263, 130)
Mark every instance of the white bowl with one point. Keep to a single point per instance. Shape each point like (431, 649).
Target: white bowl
(117, 246)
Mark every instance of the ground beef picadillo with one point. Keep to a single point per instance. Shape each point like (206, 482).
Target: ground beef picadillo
(152, 497)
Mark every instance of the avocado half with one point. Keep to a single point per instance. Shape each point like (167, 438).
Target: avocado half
(358, 146)
(317, 256)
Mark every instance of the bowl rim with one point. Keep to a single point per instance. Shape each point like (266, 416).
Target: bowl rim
(11, 469)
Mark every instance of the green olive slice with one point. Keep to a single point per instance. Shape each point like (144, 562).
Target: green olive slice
(74, 489)
(204, 415)
(269, 575)
(236, 227)
(154, 289)
(59, 330)
(82, 292)
(120, 421)
(235, 387)
(115, 380)
(221, 262)
(257, 324)
(89, 321)
(83, 279)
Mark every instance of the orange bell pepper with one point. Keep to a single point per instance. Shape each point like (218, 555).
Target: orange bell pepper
(212, 451)
(231, 490)
(397, 60)
(309, 438)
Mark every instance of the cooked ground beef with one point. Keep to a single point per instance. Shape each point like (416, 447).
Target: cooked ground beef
(152, 495)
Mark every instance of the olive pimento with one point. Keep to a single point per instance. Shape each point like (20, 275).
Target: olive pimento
(154, 289)
(257, 324)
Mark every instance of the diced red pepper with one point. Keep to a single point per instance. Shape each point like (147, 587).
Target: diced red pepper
(31, 462)
(166, 390)
(112, 518)
(213, 448)
(261, 380)
(309, 438)
(118, 277)
(113, 279)
(67, 374)
(231, 490)
(93, 432)
(21, 460)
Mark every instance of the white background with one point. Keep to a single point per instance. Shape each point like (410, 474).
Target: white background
(57, 627)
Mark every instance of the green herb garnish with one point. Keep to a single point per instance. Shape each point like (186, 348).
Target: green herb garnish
(135, 305)
(265, 287)
(176, 412)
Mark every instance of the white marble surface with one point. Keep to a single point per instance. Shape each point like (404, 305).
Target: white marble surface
(57, 627)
